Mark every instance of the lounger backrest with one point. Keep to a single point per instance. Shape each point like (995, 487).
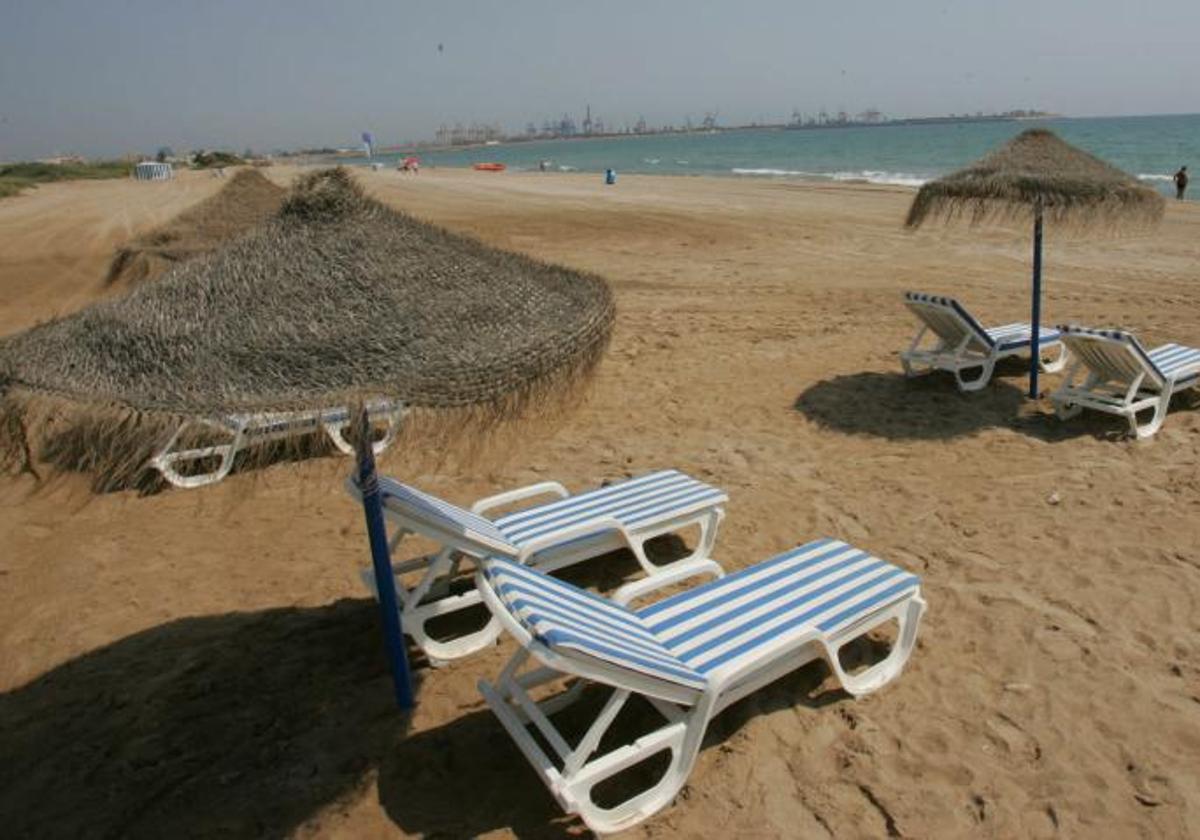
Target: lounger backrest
(1113, 355)
(438, 519)
(948, 319)
(572, 622)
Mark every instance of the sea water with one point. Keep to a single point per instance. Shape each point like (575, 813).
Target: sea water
(1152, 148)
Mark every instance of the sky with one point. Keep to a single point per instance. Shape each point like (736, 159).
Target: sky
(127, 76)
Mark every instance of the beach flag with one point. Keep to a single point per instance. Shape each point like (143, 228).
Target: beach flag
(368, 143)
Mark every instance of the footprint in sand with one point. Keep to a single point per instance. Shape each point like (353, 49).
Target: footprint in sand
(1009, 738)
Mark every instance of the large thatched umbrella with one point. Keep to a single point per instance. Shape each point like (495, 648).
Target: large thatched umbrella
(1038, 175)
(335, 301)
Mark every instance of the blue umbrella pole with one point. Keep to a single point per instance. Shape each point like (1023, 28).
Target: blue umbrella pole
(381, 561)
(1036, 319)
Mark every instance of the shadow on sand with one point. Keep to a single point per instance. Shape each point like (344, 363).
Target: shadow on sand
(248, 724)
(235, 725)
(930, 407)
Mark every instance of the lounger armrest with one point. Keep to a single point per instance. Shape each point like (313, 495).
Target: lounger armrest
(575, 531)
(545, 488)
(640, 588)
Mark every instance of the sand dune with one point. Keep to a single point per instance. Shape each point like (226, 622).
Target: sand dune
(205, 661)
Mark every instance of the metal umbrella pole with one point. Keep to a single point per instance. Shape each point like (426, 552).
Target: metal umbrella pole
(1034, 347)
(381, 562)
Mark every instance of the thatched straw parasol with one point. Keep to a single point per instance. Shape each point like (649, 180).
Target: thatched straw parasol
(337, 300)
(1038, 175)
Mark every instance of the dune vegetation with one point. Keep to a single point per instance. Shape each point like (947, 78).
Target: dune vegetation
(16, 177)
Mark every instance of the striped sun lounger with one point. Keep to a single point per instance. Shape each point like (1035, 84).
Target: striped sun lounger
(242, 430)
(964, 344)
(557, 533)
(690, 656)
(1123, 378)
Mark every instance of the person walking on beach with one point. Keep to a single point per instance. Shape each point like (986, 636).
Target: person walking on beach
(1181, 182)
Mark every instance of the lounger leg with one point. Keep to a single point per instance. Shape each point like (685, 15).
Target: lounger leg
(336, 433)
(334, 430)
(681, 736)
(905, 356)
(165, 461)
(1149, 429)
(908, 613)
(575, 773)
(709, 525)
(415, 615)
(708, 534)
(985, 376)
(1067, 410)
(389, 435)
(1059, 363)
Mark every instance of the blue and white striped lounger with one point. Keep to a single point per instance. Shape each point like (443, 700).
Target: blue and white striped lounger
(1123, 378)
(963, 344)
(690, 655)
(551, 535)
(242, 430)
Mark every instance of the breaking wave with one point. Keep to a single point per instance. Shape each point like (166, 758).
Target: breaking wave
(870, 176)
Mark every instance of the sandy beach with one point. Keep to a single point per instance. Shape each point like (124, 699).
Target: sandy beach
(207, 662)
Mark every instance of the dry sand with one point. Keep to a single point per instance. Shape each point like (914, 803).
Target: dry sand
(202, 662)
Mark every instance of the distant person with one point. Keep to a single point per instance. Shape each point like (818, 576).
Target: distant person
(1181, 182)
(543, 165)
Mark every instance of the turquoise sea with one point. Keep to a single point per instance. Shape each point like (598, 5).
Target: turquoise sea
(1150, 147)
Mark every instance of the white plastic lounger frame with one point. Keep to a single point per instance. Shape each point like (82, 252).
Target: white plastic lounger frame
(567, 530)
(1123, 378)
(963, 344)
(244, 430)
(690, 655)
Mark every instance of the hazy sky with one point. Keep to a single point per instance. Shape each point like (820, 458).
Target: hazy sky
(127, 75)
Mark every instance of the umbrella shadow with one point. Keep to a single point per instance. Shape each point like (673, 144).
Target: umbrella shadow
(889, 405)
(241, 725)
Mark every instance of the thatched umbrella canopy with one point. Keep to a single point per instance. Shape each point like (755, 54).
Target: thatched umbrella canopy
(1038, 176)
(336, 299)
